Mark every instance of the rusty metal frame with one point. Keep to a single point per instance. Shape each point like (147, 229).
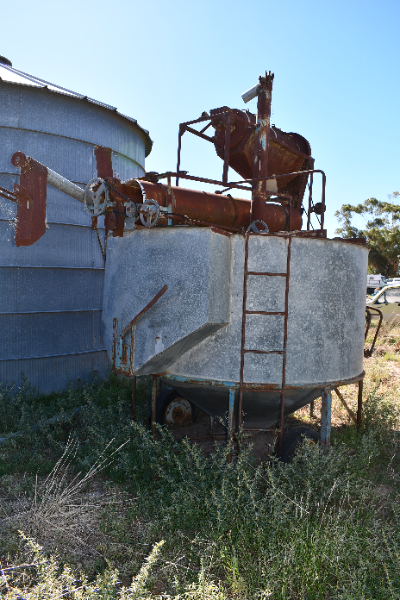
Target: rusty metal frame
(122, 354)
(245, 312)
(368, 352)
(310, 201)
(347, 407)
(286, 318)
(12, 196)
(240, 386)
(183, 127)
(240, 185)
(307, 171)
(357, 417)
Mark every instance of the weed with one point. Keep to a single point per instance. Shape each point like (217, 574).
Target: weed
(323, 526)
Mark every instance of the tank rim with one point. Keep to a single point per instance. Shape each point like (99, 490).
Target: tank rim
(273, 387)
(36, 82)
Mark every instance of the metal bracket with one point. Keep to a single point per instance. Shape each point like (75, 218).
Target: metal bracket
(368, 352)
(31, 203)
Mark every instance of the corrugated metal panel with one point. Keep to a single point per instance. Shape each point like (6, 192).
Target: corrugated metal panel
(71, 158)
(42, 334)
(60, 208)
(61, 245)
(12, 76)
(27, 289)
(55, 372)
(51, 292)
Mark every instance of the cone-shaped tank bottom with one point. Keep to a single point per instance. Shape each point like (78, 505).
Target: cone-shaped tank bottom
(261, 407)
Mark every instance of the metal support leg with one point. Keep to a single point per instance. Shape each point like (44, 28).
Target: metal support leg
(347, 407)
(154, 405)
(360, 402)
(326, 409)
(212, 427)
(231, 421)
(312, 409)
(134, 398)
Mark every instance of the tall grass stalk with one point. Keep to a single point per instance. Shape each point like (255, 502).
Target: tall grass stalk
(316, 528)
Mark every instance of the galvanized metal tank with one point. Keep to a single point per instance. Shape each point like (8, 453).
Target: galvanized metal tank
(51, 292)
(192, 335)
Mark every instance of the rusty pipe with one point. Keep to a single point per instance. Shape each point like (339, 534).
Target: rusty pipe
(260, 167)
(54, 179)
(214, 209)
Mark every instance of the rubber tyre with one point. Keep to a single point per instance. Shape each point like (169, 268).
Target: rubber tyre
(164, 401)
(292, 439)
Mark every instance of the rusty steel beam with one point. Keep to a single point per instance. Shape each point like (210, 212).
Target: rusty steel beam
(368, 352)
(103, 161)
(260, 166)
(31, 206)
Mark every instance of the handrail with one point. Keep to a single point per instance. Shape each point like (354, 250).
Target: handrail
(368, 352)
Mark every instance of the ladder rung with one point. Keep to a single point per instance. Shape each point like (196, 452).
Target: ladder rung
(264, 351)
(269, 274)
(260, 312)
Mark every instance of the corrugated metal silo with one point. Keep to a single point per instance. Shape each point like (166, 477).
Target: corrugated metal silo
(51, 292)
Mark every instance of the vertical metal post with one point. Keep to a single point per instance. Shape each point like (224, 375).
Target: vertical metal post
(360, 402)
(243, 337)
(310, 201)
(114, 346)
(231, 417)
(227, 150)
(178, 162)
(260, 167)
(326, 421)
(134, 398)
(311, 409)
(170, 199)
(154, 390)
(323, 200)
(285, 334)
(212, 427)
(231, 421)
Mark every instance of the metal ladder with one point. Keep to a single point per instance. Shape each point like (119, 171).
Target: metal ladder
(246, 312)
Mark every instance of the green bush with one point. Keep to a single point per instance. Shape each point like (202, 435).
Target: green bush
(316, 528)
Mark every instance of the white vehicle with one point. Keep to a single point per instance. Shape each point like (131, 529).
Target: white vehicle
(387, 300)
(375, 281)
(393, 281)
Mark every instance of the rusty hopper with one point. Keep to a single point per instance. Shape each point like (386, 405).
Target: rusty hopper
(192, 335)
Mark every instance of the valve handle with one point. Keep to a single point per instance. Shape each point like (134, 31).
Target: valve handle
(152, 214)
(95, 201)
(253, 227)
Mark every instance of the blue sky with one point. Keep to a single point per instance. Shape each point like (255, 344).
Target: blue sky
(336, 68)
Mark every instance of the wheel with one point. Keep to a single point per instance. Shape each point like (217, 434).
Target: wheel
(174, 409)
(292, 439)
(152, 214)
(96, 197)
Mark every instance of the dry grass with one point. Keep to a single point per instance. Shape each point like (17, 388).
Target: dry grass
(90, 522)
(65, 513)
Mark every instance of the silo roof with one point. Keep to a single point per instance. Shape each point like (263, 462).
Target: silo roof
(10, 75)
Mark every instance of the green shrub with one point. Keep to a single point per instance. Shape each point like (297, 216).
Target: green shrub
(316, 528)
